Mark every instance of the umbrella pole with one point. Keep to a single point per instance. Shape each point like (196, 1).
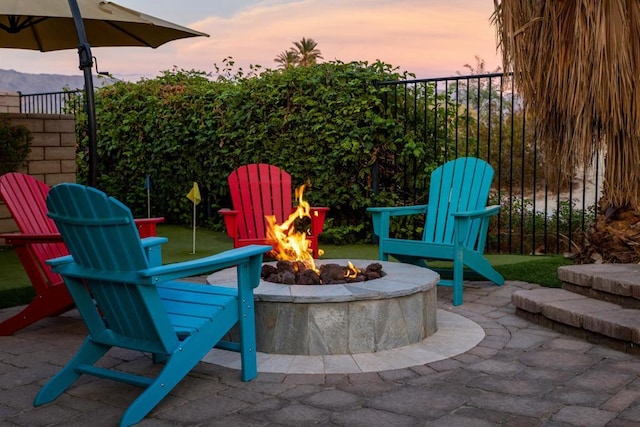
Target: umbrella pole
(86, 64)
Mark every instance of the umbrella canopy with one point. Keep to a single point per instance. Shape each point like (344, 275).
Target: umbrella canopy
(48, 25)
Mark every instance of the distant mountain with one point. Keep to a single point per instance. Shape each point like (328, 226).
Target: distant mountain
(14, 81)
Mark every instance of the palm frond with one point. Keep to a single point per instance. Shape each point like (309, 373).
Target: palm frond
(576, 64)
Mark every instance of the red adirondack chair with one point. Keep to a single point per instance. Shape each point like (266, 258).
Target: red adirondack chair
(258, 190)
(37, 242)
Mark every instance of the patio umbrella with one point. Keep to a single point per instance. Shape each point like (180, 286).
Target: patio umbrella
(48, 25)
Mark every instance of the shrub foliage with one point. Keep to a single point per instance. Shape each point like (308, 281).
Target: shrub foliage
(324, 124)
(355, 140)
(14, 146)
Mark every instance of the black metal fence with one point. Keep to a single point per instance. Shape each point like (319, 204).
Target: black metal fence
(542, 211)
(49, 102)
(480, 116)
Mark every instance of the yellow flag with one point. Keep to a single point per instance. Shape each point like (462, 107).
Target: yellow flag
(194, 194)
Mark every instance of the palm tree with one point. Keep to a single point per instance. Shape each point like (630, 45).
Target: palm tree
(288, 58)
(576, 64)
(307, 51)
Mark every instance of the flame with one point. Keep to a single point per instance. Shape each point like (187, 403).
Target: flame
(290, 244)
(352, 271)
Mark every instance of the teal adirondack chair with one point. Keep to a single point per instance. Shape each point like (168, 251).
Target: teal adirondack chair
(456, 223)
(128, 299)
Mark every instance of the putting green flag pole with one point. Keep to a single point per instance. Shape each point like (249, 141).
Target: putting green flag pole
(194, 196)
(147, 186)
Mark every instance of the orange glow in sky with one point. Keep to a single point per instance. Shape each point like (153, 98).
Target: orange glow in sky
(430, 38)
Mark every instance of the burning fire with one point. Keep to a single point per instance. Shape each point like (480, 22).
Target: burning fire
(292, 245)
(352, 271)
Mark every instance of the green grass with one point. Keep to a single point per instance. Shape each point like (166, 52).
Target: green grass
(15, 288)
(541, 270)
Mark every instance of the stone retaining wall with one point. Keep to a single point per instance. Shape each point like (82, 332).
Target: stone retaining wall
(53, 150)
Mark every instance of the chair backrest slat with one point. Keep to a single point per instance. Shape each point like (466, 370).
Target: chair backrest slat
(108, 245)
(25, 198)
(459, 185)
(103, 239)
(258, 190)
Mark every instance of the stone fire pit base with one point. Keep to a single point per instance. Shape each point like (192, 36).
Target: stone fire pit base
(394, 311)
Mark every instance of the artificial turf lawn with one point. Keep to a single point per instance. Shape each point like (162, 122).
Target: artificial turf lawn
(15, 288)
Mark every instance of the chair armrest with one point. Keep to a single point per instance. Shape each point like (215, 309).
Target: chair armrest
(149, 244)
(247, 256)
(154, 220)
(54, 262)
(487, 211)
(153, 241)
(243, 255)
(380, 216)
(153, 250)
(463, 221)
(147, 226)
(21, 239)
(227, 211)
(399, 210)
(318, 215)
(230, 221)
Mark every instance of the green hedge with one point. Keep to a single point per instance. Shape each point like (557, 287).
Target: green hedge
(14, 146)
(325, 124)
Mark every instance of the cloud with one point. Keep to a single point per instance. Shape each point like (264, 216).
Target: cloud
(424, 37)
(430, 38)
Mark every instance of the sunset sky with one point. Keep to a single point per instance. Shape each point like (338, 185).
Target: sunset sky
(430, 38)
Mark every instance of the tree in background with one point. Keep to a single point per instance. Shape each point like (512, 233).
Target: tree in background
(576, 65)
(288, 58)
(308, 52)
(304, 53)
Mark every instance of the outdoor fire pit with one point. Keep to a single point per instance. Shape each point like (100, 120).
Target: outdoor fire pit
(393, 311)
(298, 273)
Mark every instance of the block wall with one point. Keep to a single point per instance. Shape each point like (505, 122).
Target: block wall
(53, 152)
(9, 102)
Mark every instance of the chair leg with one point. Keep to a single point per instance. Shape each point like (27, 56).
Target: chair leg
(52, 303)
(458, 276)
(313, 244)
(247, 318)
(159, 358)
(248, 346)
(179, 364)
(491, 274)
(483, 267)
(88, 354)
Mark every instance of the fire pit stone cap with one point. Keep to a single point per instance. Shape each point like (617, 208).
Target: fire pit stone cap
(400, 280)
